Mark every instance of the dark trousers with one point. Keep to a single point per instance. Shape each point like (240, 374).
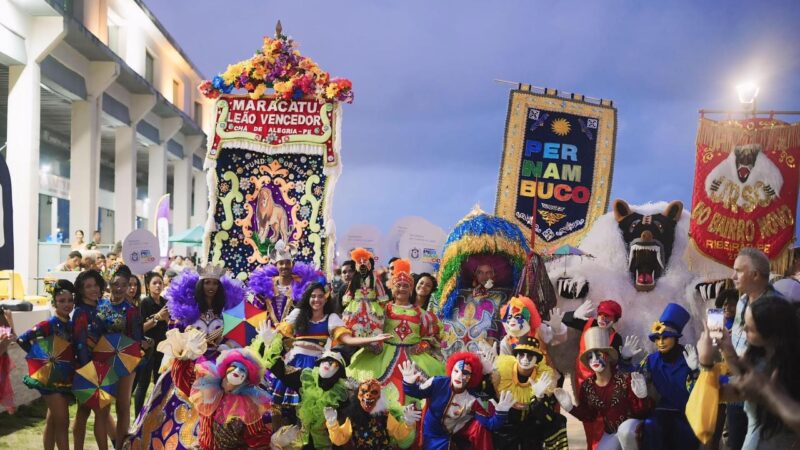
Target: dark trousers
(735, 425)
(144, 374)
(666, 429)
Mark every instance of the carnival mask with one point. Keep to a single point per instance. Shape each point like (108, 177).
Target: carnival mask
(515, 323)
(598, 361)
(665, 343)
(526, 360)
(236, 374)
(460, 376)
(328, 368)
(604, 321)
(369, 392)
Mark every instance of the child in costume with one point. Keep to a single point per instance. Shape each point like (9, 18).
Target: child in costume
(532, 420)
(230, 402)
(118, 319)
(307, 330)
(89, 288)
(51, 363)
(195, 302)
(672, 371)
(320, 387)
(454, 418)
(608, 314)
(368, 421)
(277, 288)
(406, 326)
(363, 299)
(618, 398)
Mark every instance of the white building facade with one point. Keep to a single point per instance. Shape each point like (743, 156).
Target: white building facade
(99, 118)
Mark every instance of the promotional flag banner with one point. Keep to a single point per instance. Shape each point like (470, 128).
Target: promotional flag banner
(745, 189)
(559, 148)
(273, 167)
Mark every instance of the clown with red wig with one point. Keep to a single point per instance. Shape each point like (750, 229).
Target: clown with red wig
(454, 417)
(230, 403)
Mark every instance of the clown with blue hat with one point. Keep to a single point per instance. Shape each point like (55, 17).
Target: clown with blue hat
(671, 372)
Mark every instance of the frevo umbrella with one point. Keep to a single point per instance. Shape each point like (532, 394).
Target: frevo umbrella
(51, 362)
(120, 352)
(95, 385)
(567, 250)
(240, 322)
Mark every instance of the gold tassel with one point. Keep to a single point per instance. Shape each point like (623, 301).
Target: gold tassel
(724, 136)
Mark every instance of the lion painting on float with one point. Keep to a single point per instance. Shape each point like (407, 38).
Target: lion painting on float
(640, 261)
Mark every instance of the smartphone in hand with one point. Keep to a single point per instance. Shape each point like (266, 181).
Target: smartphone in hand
(716, 322)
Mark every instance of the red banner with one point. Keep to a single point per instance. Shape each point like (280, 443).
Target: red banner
(745, 189)
(274, 122)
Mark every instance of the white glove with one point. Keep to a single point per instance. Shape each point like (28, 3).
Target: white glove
(505, 403)
(563, 399)
(542, 385)
(690, 355)
(638, 385)
(630, 348)
(331, 417)
(409, 371)
(488, 355)
(585, 311)
(411, 415)
(266, 331)
(555, 321)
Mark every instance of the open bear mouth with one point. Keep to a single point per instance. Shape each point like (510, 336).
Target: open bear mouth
(646, 263)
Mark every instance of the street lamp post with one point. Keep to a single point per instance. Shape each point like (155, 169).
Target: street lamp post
(747, 93)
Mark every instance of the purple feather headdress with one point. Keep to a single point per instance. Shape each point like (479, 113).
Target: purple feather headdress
(180, 298)
(182, 304)
(261, 284)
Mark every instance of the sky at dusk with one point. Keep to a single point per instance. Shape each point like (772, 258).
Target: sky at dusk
(425, 133)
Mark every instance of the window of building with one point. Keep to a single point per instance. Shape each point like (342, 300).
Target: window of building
(149, 67)
(176, 94)
(198, 114)
(113, 38)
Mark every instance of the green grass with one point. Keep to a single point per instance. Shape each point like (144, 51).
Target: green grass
(24, 429)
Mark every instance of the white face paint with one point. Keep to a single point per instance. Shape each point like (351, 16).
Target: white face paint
(516, 325)
(526, 360)
(236, 376)
(597, 362)
(460, 375)
(328, 368)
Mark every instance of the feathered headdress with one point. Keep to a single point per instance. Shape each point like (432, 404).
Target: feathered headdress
(261, 281)
(182, 304)
(361, 255)
(402, 272)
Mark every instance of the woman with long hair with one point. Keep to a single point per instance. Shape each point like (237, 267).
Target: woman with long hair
(134, 290)
(89, 289)
(422, 296)
(194, 301)
(772, 330)
(55, 387)
(409, 327)
(117, 315)
(310, 325)
(155, 315)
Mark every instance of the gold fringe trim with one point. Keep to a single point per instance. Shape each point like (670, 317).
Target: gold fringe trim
(724, 136)
(779, 264)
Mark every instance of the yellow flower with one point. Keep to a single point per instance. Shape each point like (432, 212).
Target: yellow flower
(658, 328)
(232, 73)
(258, 91)
(331, 91)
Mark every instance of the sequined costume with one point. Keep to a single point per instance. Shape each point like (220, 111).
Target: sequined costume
(306, 348)
(168, 419)
(614, 402)
(409, 327)
(277, 299)
(533, 423)
(474, 318)
(454, 420)
(361, 430)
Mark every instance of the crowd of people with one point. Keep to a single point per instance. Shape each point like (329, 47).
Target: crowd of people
(358, 362)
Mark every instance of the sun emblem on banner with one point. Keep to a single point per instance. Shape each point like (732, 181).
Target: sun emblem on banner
(560, 127)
